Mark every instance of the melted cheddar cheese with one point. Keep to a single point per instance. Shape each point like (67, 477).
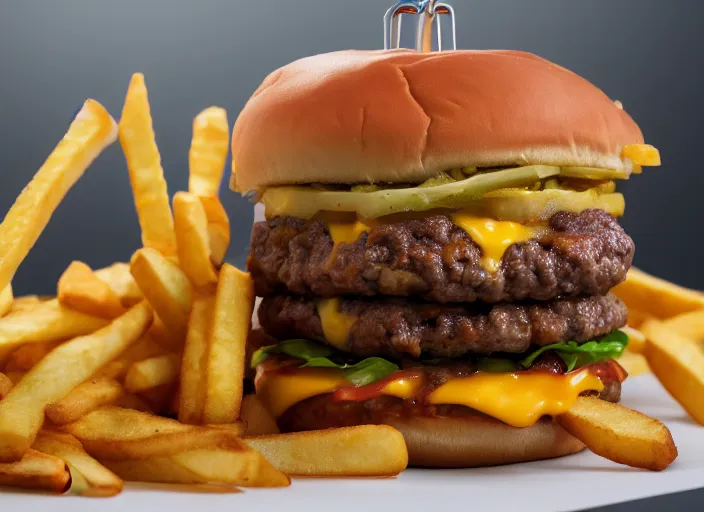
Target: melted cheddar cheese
(517, 399)
(336, 324)
(492, 236)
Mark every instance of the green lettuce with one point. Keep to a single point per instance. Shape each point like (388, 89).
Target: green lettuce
(575, 355)
(313, 355)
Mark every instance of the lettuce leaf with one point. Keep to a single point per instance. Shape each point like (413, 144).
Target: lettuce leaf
(313, 355)
(575, 355)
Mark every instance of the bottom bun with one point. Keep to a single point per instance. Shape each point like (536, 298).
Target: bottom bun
(477, 441)
(448, 436)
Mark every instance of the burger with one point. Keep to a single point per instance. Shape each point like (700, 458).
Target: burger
(440, 240)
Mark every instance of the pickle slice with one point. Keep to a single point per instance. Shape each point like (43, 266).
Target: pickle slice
(593, 173)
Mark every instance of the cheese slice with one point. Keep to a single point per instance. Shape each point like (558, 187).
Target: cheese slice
(492, 236)
(518, 399)
(336, 324)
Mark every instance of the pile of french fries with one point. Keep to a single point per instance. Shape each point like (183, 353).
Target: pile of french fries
(135, 372)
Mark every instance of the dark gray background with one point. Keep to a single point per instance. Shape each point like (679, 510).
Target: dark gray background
(54, 54)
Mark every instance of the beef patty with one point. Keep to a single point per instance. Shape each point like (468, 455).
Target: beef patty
(395, 327)
(581, 254)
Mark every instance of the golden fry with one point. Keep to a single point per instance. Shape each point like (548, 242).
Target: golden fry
(36, 470)
(620, 434)
(146, 174)
(193, 367)
(678, 363)
(153, 372)
(119, 278)
(208, 154)
(80, 289)
(636, 340)
(90, 132)
(26, 302)
(130, 401)
(145, 348)
(67, 366)
(47, 323)
(192, 239)
(657, 297)
(5, 385)
(232, 314)
(6, 300)
(634, 363)
(367, 450)
(100, 480)
(689, 325)
(258, 420)
(85, 398)
(166, 288)
(25, 357)
(218, 228)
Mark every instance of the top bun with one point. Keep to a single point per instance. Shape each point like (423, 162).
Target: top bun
(402, 116)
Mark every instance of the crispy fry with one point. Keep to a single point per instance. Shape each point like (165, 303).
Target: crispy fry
(157, 470)
(218, 228)
(145, 348)
(636, 340)
(25, 357)
(620, 434)
(130, 401)
(100, 480)
(119, 278)
(657, 297)
(237, 427)
(166, 288)
(192, 239)
(36, 470)
(6, 300)
(81, 290)
(47, 323)
(193, 367)
(146, 174)
(153, 372)
(368, 450)
(26, 302)
(232, 314)
(636, 318)
(689, 325)
(14, 377)
(87, 397)
(90, 132)
(5, 385)
(67, 366)
(257, 418)
(209, 148)
(237, 464)
(634, 364)
(678, 363)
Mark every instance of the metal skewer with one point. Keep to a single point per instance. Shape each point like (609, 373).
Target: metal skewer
(427, 12)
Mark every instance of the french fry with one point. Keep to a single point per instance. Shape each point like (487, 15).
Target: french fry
(27, 356)
(36, 470)
(620, 434)
(689, 325)
(258, 420)
(192, 239)
(15, 377)
(146, 174)
(193, 366)
(636, 340)
(153, 372)
(144, 348)
(232, 313)
(218, 228)
(157, 470)
(90, 132)
(237, 427)
(636, 318)
(678, 363)
(26, 302)
(101, 481)
(634, 364)
(5, 385)
(130, 401)
(657, 297)
(86, 397)
(6, 300)
(166, 288)
(67, 366)
(368, 450)
(80, 289)
(47, 323)
(119, 278)
(209, 148)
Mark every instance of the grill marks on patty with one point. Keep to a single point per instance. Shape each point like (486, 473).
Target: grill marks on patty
(396, 327)
(431, 258)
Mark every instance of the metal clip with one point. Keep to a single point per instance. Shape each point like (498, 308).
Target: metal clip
(427, 12)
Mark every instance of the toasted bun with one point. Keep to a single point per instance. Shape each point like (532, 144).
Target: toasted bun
(479, 441)
(403, 116)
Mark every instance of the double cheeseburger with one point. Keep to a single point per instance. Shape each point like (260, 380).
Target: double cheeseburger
(440, 240)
